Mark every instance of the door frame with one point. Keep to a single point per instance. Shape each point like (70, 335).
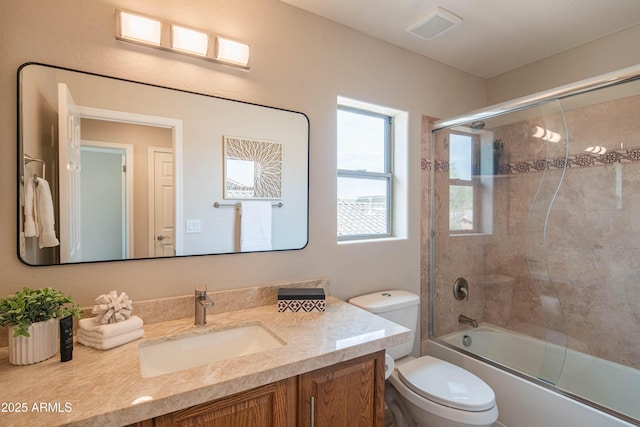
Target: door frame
(177, 141)
(69, 176)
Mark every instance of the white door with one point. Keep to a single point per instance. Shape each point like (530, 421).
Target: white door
(163, 208)
(69, 161)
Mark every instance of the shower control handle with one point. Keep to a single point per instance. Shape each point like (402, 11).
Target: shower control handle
(461, 289)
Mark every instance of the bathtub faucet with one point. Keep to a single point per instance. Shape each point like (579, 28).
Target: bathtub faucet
(467, 321)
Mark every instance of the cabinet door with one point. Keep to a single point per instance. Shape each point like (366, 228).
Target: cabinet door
(349, 394)
(272, 405)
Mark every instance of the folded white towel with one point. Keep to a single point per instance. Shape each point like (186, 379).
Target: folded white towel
(30, 228)
(107, 343)
(255, 226)
(89, 325)
(45, 215)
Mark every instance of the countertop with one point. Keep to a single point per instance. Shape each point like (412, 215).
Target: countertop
(106, 388)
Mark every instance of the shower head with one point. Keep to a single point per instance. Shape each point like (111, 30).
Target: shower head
(478, 124)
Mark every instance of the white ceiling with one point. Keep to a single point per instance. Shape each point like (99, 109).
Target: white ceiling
(495, 36)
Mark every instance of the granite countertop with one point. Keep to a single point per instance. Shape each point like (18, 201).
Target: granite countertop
(106, 388)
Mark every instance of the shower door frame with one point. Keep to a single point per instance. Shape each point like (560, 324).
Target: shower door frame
(624, 75)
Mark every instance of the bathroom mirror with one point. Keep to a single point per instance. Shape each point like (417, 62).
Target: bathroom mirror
(111, 169)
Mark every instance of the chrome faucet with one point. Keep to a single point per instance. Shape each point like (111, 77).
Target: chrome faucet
(467, 321)
(202, 302)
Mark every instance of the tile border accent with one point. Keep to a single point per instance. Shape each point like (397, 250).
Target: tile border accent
(630, 155)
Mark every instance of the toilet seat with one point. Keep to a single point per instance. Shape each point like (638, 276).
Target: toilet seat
(447, 384)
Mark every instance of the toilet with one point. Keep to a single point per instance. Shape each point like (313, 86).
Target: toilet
(435, 393)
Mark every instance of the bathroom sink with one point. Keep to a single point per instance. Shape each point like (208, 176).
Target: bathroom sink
(164, 355)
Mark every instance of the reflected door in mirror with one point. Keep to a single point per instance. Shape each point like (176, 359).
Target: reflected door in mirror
(161, 216)
(170, 212)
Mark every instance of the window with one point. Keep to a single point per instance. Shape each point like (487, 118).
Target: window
(365, 147)
(463, 186)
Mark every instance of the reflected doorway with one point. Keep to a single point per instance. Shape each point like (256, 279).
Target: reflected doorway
(142, 133)
(106, 207)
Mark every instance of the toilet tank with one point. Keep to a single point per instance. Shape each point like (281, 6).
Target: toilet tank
(398, 306)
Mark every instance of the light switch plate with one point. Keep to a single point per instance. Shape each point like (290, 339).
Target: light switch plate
(193, 226)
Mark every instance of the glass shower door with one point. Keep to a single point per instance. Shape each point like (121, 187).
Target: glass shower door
(494, 186)
(549, 133)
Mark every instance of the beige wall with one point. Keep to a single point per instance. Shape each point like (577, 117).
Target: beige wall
(600, 56)
(299, 62)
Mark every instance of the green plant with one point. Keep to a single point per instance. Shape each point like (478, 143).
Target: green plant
(29, 306)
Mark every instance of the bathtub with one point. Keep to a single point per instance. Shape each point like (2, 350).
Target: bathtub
(525, 392)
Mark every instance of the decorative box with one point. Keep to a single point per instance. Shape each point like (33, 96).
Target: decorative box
(301, 299)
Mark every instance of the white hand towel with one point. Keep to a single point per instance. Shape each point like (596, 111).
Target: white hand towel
(92, 328)
(30, 228)
(112, 342)
(255, 226)
(45, 217)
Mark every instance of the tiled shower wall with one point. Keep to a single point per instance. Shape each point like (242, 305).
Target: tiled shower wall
(583, 279)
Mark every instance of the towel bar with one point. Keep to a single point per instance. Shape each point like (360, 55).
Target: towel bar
(237, 205)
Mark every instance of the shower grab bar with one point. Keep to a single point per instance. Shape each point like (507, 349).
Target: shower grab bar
(614, 77)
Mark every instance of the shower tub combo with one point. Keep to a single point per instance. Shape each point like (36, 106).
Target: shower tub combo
(534, 203)
(597, 380)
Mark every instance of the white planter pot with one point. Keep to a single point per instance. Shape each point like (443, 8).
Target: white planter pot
(42, 343)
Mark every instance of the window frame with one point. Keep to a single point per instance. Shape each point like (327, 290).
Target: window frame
(474, 183)
(387, 175)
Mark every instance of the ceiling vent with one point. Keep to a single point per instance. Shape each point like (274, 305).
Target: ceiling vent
(435, 23)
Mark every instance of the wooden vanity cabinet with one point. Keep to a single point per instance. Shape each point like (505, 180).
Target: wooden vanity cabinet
(348, 394)
(271, 405)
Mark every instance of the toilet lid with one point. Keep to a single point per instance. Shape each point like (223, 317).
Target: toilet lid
(447, 384)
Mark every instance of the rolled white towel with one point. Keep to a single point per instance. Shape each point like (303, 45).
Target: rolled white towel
(112, 308)
(107, 343)
(110, 329)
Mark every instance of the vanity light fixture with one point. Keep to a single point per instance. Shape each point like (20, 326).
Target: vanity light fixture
(139, 29)
(546, 134)
(232, 51)
(597, 149)
(189, 41)
(148, 31)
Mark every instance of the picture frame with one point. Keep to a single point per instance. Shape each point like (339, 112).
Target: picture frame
(252, 169)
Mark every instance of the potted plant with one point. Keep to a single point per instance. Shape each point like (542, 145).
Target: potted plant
(32, 317)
